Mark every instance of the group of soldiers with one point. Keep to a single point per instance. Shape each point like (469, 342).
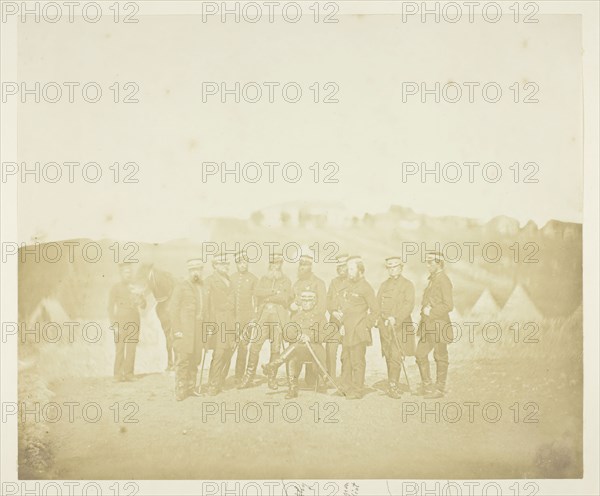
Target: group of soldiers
(305, 324)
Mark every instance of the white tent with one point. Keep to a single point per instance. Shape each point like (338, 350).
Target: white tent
(48, 310)
(520, 307)
(485, 306)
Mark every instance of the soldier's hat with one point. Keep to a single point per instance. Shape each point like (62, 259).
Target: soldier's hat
(306, 258)
(276, 257)
(392, 262)
(241, 255)
(220, 258)
(341, 259)
(195, 263)
(434, 256)
(354, 258)
(125, 265)
(308, 296)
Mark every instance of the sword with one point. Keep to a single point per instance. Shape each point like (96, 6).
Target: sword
(201, 372)
(323, 369)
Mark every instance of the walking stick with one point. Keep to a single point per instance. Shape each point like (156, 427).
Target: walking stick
(320, 365)
(402, 355)
(201, 373)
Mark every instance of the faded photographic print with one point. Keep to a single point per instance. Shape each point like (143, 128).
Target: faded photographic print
(299, 248)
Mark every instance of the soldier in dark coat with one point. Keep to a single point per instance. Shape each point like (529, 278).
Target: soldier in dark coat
(124, 313)
(435, 330)
(187, 314)
(358, 315)
(221, 328)
(273, 296)
(333, 338)
(243, 283)
(396, 298)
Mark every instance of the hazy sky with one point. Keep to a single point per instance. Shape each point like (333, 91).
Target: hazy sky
(369, 133)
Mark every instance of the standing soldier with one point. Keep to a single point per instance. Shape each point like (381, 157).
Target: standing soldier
(273, 295)
(334, 305)
(435, 330)
(222, 328)
(188, 312)
(124, 313)
(305, 333)
(396, 298)
(243, 283)
(358, 316)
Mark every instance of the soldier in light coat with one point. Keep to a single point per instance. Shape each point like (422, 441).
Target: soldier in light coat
(396, 298)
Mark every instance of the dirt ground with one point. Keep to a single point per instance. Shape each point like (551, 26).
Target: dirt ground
(500, 419)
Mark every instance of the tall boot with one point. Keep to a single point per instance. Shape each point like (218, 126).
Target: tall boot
(293, 391)
(248, 378)
(425, 373)
(441, 375)
(270, 369)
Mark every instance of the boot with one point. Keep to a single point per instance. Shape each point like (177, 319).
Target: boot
(424, 389)
(270, 370)
(393, 391)
(293, 391)
(246, 381)
(272, 382)
(434, 394)
(181, 391)
(322, 384)
(441, 376)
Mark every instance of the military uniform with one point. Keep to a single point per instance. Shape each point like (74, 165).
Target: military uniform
(243, 284)
(360, 311)
(308, 322)
(333, 338)
(222, 328)
(124, 314)
(311, 283)
(435, 331)
(314, 284)
(187, 315)
(273, 296)
(396, 298)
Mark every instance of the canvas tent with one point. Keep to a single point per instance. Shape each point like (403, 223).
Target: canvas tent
(520, 307)
(485, 306)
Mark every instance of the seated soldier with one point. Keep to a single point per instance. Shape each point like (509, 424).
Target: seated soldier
(305, 333)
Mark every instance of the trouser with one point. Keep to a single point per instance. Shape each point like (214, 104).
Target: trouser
(242, 353)
(266, 329)
(186, 368)
(331, 351)
(427, 343)
(301, 355)
(126, 340)
(353, 367)
(219, 366)
(333, 340)
(391, 352)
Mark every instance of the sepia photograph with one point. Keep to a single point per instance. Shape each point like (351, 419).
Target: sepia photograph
(300, 248)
